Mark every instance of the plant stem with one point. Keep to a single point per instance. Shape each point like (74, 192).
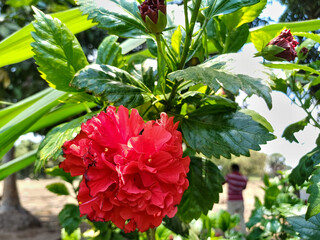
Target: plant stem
(189, 33)
(161, 66)
(151, 234)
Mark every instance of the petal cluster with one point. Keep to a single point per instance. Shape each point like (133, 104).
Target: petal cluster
(150, 8)
(286, 41)
(133, 172)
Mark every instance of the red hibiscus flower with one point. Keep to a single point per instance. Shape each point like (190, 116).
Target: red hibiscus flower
(133, 172)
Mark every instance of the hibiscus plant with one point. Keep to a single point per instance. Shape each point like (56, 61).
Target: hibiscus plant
(140, 122)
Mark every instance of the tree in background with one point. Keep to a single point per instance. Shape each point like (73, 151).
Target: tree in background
(276, 162)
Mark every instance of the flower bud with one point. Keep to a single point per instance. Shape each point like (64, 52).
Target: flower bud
(153, 13)
(285, 40)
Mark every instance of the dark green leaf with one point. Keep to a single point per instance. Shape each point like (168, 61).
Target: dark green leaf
(288, 133)
(109, 52)
(58, 52)
(50, 147)
(205, 184)
(58, 172)
(111, 84)
(176, 225)
(69, 218)
(306, 165)
(256, 217)
(17, 164)
(58, 188)
(228, 71)
(217, 7)
(255, 234)
(307, 229)
(121, 18)
(224, 134)
(271, 195)
(237, 39)
(314, 198)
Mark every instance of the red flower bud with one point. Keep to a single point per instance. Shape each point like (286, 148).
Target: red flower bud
(154, 10)
(286, 41)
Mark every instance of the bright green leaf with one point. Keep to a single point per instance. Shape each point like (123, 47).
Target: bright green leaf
(306, 165)
(50, 147)
(292, 66)
(17, 164)
(271, 194)
(313, 36)
(121, 18)
(16, 47)
(109, 52)
(69, 218)
(314, 198)
(229, 71)
(224, 134)
(176, 40)
(111, 84)
(205, 184)
(59, 172)
(288, 133)
(58, 52)
(58, 188)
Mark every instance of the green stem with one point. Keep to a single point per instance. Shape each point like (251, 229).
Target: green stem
(87, 107)
(160, 50)
(173, 93)
(186, 19)
(151, 234)
(161, 66)
(189, 33)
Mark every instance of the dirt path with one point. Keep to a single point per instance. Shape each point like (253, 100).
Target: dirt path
(45, 205)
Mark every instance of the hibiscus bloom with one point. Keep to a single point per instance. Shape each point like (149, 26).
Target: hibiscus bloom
(133, 172)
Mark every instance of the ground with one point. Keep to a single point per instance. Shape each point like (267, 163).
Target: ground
(45, 205)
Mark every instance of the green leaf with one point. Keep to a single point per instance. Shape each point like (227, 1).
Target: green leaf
(205, 184)
(109, 52)
(288, 133)
(224, 134)
(269, 53)
(255, 234)
(121, 18)
(18, 125)
(222, 220)
(16, 47)
(243, 15)
(237, 38)
(306, 165)
(8, 113)
(271, 195)
(69, 218)
(256, 217)
(58, 188)
(272, 225)
(217, 7)
(228, 71)
(50, 147)
(111, 84)
(176, 40)
(58, 172)
(260, 36)
(292, 66)
(314, 198)
(58, 52)
(76, 235)
(307, 229)
(17, 164)
(313, 36)
(258, 118)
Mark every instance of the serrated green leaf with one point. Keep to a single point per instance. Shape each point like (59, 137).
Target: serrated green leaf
(17, 164)
(109, 52)
(224, 134)
(111, 84)
(69, 218)
(288, 133)
(306, 165)
(292, 66)
(307, 229)
(227, 71)
(314, 198)
(16, 47)
(50, 147)
(57, 51)
(258, 118)
(205, 184)
(18, 125)
(58, 172)
(217, 7)
(58, 188)
(121, 18)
